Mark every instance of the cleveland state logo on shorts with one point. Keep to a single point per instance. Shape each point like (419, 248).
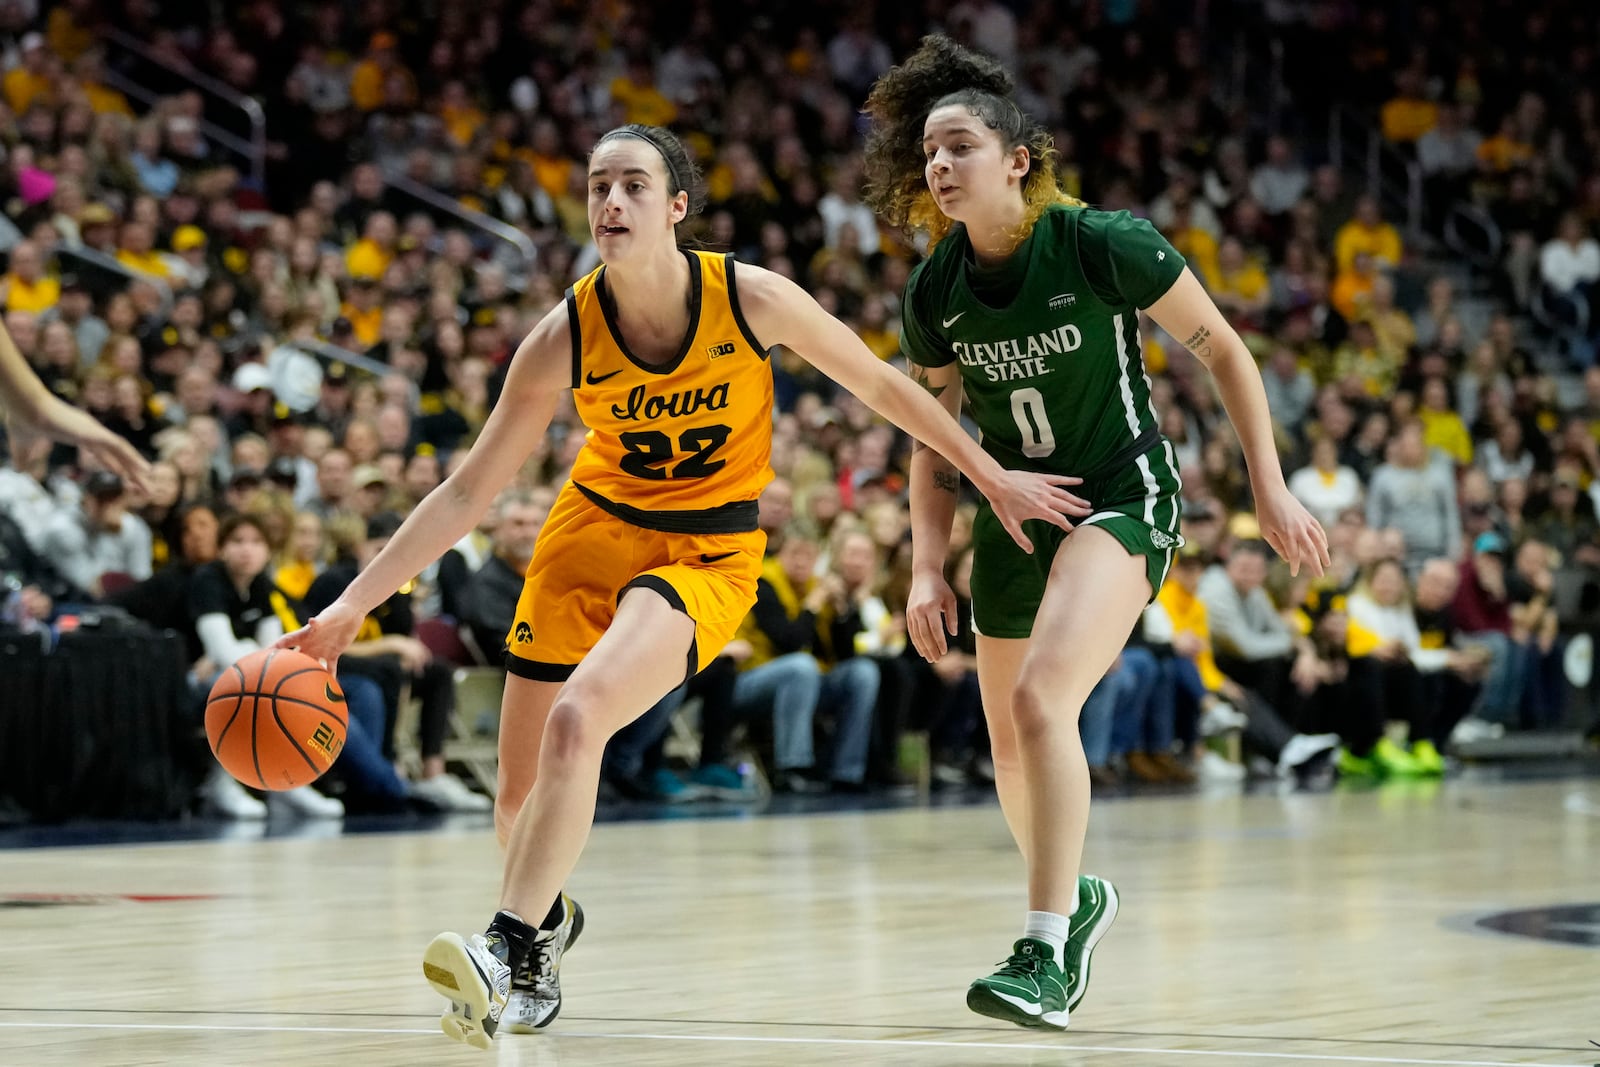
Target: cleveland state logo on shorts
(524, 634)
(1162, 540)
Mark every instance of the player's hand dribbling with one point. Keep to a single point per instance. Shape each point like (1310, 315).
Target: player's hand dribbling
(930, 614)
(327, 635)
(1288, 527)
(1018, 496)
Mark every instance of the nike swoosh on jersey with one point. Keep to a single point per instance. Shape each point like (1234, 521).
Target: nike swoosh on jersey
(596, 379)
(951, 321)
(333, 695)
(718, 558)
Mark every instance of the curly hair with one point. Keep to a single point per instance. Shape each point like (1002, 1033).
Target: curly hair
(939, 73)
(682, 174)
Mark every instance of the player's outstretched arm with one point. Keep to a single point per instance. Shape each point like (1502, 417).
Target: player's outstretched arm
(780, 312)
(540, 370)
(935, 484)
(1187, 312)
(30, 408)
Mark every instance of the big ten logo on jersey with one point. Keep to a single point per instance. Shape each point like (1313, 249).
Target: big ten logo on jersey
(726, 348)
(652, 454)
(1018, 357)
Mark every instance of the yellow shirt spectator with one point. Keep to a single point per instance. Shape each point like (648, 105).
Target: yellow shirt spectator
(1444, 430)
(885, 344)
(366, 325)
(23, 89)
(144, 262)
(1200, 249)
(373, 77)
(67, 39)
(367, 259)
(1188, 614)
(104, 101)
(1381, 241)
(37, 296)
(1406, 118)
(1349, 292)
(641, 101)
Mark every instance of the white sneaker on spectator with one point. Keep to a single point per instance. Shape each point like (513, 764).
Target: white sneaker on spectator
(226, 796)
(1221, 717)
(1214, 768)
(1470, 729)
(448, 793)
(1302, 747)
(308, 802)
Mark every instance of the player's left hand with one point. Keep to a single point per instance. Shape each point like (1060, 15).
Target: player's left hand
(1018, 496)
(62, 422)
(1288, 527)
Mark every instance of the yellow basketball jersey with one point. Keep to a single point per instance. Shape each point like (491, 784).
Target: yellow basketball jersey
(683, 447)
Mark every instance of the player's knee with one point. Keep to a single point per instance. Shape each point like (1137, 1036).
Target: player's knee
(571, 733)
(1038, 708)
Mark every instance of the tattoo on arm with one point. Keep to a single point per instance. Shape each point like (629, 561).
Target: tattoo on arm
(920, 376)
(949, 481)
(1200, 343)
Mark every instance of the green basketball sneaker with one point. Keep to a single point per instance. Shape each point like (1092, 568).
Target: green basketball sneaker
(1029, 989)
(1097, 909)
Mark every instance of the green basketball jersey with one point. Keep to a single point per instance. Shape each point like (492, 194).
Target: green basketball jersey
(1054, 374)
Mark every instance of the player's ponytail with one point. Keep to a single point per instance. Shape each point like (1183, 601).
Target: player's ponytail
(938, 73)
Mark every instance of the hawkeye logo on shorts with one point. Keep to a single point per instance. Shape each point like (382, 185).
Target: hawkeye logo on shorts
(524, 634)
(726, 348)
(1063, 300)
(1162, 540)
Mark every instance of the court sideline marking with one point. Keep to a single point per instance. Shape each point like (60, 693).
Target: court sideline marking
(835, 1041)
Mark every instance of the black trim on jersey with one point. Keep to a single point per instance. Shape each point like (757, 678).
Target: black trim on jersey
(738, 313)
(577, 340)
(736, 517)
(1126, 455)
(658, 584)
(538, 670)
(608, 310)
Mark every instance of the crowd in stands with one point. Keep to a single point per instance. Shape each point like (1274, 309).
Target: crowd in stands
(1443, 423)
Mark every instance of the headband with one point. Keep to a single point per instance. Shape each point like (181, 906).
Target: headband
(672, 170)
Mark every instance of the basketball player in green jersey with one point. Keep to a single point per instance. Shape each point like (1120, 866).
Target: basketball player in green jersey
(1028, 307)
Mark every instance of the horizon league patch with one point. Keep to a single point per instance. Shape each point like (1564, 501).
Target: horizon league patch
(68, 900)
(1569, 924)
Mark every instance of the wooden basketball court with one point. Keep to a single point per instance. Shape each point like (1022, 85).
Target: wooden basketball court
(1287, 928)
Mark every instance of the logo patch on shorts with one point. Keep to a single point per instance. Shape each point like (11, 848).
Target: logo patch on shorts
(524, 634)
(1162, 540)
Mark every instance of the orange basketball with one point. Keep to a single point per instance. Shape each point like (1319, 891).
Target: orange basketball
(276, 719)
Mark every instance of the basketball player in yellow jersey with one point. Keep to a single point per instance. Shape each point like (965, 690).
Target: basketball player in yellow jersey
(650, 556)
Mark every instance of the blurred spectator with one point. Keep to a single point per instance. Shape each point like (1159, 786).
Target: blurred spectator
(387, 652)
(489, 602)
(1280, 180)
(100, 537)
(1417, 496)
(782, 675)
(1482, 611)
(1325, 486)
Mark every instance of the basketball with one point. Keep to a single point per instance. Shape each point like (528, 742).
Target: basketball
(276, 719)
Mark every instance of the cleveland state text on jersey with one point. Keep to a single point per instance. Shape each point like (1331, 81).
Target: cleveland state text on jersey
(1019, 357)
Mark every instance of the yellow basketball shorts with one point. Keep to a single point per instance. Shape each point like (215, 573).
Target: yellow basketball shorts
(587, 558)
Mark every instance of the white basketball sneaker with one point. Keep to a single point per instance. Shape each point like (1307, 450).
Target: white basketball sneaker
(536, 989)
(473, 975)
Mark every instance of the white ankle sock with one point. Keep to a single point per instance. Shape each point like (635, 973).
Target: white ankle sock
(1050, 928)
